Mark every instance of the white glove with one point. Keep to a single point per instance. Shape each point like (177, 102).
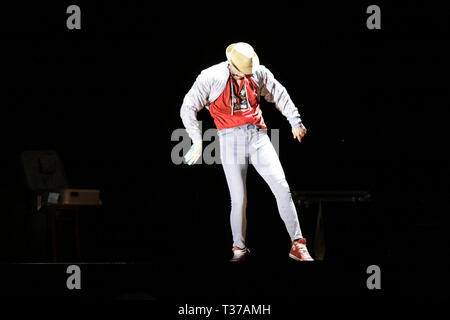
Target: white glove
(194, 153)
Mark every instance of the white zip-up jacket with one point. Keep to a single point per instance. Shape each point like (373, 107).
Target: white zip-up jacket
(210, 84)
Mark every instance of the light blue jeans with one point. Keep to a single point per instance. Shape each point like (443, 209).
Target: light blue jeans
(246, 144)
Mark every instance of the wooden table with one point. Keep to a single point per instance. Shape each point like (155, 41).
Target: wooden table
(54, 214)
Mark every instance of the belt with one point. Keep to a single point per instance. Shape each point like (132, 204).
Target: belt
(247, 126)
(251, 126)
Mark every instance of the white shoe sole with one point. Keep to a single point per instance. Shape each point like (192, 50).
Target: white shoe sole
(297, 259)
(238, 259)
(294, 257)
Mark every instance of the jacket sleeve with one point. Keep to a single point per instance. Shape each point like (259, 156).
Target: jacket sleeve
(195, 100)
(274, 92)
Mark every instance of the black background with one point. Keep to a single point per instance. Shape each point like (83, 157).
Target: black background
(107, 98)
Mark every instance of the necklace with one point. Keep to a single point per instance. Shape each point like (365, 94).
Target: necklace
(243, 96)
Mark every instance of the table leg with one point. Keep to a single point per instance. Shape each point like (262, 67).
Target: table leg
(77, 234)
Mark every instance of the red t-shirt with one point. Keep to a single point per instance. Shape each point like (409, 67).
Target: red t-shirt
(225, 116)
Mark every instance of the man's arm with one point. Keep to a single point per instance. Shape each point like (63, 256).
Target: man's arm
(195, 100)
(274, 92)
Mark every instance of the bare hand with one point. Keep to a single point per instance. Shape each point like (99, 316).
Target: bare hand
(299, 132)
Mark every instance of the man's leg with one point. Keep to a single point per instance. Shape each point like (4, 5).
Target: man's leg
(235, 164)
(266, 162)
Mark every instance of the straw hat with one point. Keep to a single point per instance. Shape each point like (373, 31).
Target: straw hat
(243, 57)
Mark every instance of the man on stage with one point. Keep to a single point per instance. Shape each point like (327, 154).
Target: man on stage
(231, 91)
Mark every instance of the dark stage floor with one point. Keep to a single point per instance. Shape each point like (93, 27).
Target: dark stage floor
(213, 282)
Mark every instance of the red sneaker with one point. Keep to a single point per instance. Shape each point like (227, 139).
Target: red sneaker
(299, 251)
(239, 254)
